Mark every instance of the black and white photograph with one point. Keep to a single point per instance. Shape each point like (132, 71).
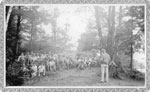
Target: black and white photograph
(75, 45)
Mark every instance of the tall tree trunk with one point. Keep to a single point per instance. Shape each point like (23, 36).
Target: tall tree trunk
(116, 42)
(131, 48)
(32, 34)
(98, 24)
(120, 16)
(111, 30)
(54, 29)
(8, 13)
(17, 36)
(131, 63)
(111, 43)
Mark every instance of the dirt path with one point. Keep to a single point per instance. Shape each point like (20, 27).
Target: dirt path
(74, 77)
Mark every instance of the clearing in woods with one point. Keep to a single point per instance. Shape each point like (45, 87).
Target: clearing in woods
(75, 77)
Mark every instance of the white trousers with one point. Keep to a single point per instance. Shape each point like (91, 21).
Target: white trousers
(104, 73)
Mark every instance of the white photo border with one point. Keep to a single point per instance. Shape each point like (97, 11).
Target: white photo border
(71, 88)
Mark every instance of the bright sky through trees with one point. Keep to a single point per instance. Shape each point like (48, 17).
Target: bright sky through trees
(75, 16)
(77, 21)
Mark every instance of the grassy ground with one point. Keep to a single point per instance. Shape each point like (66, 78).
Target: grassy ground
(75, 77)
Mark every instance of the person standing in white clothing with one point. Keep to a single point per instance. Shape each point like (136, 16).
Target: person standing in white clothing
(104, 66)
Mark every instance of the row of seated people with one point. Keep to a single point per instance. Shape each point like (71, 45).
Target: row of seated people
(39, 63)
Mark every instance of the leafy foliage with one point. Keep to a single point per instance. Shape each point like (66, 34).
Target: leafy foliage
(125, 33)
(25, 34)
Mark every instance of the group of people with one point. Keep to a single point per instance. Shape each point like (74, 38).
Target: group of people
(39, 63)
(42, 62)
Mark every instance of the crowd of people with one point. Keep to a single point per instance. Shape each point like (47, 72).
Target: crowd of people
(38, 64)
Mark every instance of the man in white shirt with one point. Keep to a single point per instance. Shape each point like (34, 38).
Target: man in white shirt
(104, 66)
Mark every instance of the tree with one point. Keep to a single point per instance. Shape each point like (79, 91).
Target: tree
(18, 31)
(120, 37)
(12, 44)
(98, 18)
(111, 31)
(12, 34)
(128, 37)
(8, 13)
(135, 23)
